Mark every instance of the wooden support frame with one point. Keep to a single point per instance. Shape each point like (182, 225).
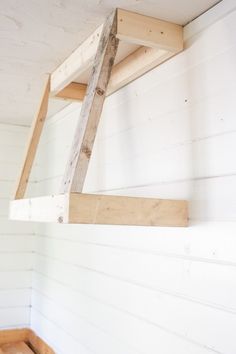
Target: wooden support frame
(159, 41)
(157, 34)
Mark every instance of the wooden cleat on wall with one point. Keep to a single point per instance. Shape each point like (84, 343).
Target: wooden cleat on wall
(151, 42)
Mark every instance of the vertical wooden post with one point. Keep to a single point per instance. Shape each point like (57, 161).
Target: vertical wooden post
(91, 110)
(34, 137)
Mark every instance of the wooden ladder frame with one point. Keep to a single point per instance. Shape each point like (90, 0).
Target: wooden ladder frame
(159, 41)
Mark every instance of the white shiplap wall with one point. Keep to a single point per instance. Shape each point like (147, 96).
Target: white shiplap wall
(16, 239)
(130, 290)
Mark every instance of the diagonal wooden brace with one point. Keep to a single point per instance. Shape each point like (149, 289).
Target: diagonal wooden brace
(34, 137)
(91, 110)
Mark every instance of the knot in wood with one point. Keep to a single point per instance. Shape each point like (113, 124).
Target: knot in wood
(86, 151)
(111, 61)
(99, 91)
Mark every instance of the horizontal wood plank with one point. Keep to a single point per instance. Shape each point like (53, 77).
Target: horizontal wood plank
(79, 208)
(22, 341)
(129, 69)
(149, 31)
(78, 62)
(73, 92)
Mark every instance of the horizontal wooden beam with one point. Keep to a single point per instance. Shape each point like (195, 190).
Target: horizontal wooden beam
(73, 92)
(133, 66)
(77, 63)
(149, 31)
(77, 208)
(132, 27)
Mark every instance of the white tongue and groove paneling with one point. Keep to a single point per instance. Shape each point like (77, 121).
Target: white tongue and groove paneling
(126, 290)
(16, 239)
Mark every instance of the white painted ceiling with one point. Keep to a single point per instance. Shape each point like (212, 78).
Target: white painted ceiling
(37, 35)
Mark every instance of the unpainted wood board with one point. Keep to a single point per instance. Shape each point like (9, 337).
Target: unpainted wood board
(135, 65)
(149, 31)
(130, 68)
(78, 62)
(34, 137)
(85, 133)
(119, 210)
(132, 27)
(16, 348)
(16, 335)
(74, 91)
(80, 208)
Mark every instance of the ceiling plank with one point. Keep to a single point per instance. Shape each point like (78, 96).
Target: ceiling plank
(77, 63)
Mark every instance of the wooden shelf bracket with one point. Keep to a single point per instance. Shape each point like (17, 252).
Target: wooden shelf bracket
(157, 41)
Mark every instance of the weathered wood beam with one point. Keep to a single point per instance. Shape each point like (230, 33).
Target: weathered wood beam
(80, 208)
(34, 137)
(24, 335)
(13, 335)
(85, 133)
(73, 92)
(149, 31)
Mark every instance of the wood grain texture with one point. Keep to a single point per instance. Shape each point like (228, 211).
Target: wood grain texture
(118, 210)
(149, 31)
(34, 137)
(85, 133)
(16, 348)
(38, 345)
(78, 62)
(144, 30)
(22, 341)
(15, 335)
(80, 208)
(74, 92)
